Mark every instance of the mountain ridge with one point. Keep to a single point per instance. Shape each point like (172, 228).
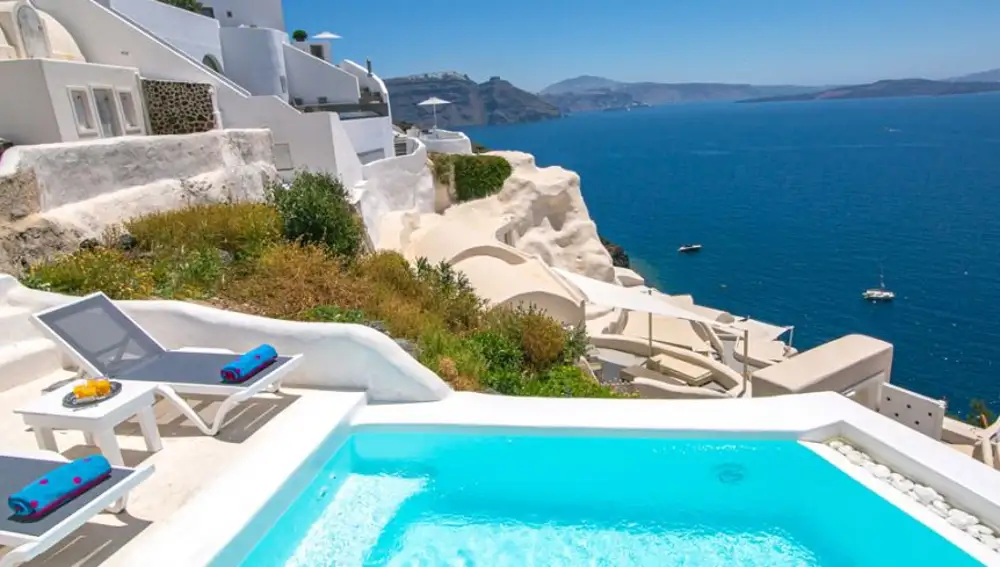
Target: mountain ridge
(589, 92)
(495, 101)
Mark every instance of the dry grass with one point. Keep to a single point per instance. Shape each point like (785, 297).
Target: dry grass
(242, 229)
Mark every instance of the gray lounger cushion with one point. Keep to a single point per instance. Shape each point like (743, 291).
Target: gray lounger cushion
(18, 472)
(179, 367)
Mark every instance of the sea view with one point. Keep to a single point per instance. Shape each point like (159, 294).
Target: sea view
(799, 206)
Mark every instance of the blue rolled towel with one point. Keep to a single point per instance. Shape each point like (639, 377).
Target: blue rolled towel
(249, 364)
(59, 486)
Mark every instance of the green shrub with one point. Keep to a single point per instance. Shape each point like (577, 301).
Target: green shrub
(500, 354)
(542, 339)
(189, 5)
(242, 229)
(479, 176)
(300, 35)
(566, 382)
(98, 269)
(476, 176)
(315, 209)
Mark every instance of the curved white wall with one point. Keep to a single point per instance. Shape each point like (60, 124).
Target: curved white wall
(341, 356)
(446, 142)
(396, 184)
(254, 58)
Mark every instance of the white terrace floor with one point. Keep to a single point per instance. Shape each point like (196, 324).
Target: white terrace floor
(189, 461)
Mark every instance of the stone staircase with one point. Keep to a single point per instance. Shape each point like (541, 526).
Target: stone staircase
(400, 146)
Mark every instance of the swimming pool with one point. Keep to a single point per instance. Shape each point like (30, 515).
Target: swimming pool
(465, 498)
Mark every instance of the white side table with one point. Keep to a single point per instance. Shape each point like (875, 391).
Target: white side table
(98, 421)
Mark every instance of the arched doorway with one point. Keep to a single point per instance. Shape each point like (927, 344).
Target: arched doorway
(212, 63)
(36, 45)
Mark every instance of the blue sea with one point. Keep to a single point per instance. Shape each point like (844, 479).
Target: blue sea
(798, 205)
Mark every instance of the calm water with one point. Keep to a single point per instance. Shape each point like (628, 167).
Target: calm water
(472, 500)
(797, 205)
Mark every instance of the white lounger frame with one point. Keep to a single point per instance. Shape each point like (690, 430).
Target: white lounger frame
(234, 395)
(24, 548)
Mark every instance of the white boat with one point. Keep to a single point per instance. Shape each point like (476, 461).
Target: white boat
(880, 293)
(689, 248)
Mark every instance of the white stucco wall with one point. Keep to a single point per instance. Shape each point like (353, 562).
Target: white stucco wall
(111, 164)
(370, 134)
(260, 13)
(26, 113)
(191, 33)
(254, 59)
(352, 357)
(396, 184)
(40, 110)
(311, 77)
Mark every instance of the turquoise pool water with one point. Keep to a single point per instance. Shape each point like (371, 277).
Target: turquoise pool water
(463, 499)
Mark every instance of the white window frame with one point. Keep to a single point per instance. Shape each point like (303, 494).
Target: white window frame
(115, 108)
(81, 128)
(137, 127)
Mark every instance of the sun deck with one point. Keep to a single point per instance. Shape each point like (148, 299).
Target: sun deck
(190, 461)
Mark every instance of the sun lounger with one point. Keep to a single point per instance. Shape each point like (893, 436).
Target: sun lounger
(107, 342)
(29, 538)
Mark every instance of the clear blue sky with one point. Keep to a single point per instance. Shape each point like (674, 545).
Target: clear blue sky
(534, 43)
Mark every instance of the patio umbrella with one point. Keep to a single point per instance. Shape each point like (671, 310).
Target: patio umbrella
(326, 35)
(433, 102)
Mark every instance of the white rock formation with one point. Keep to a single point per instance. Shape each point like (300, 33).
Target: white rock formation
(540, 209)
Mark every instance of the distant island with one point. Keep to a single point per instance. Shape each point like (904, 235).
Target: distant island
(588, 93)
(889, 88)
(991, 76)
(495, 101)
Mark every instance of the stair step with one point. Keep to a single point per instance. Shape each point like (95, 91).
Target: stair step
(15, 324)
(27, 360)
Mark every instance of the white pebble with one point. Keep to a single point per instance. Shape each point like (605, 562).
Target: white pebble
(903, 485)
(855, 458)
(836, 444)
(865, 457)
(896, 477)
(882, 472)
(925, 494)
(960, 519)
(941, 505)
(845, 449)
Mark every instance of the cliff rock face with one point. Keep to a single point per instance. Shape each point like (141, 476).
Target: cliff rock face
(545, 208)
(494, 102)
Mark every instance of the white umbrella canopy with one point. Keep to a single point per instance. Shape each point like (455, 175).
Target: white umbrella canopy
(433, 102)
(326, 35)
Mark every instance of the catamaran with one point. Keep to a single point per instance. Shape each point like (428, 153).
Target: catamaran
(880, 293)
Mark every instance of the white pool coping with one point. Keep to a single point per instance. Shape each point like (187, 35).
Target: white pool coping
(198, 532)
